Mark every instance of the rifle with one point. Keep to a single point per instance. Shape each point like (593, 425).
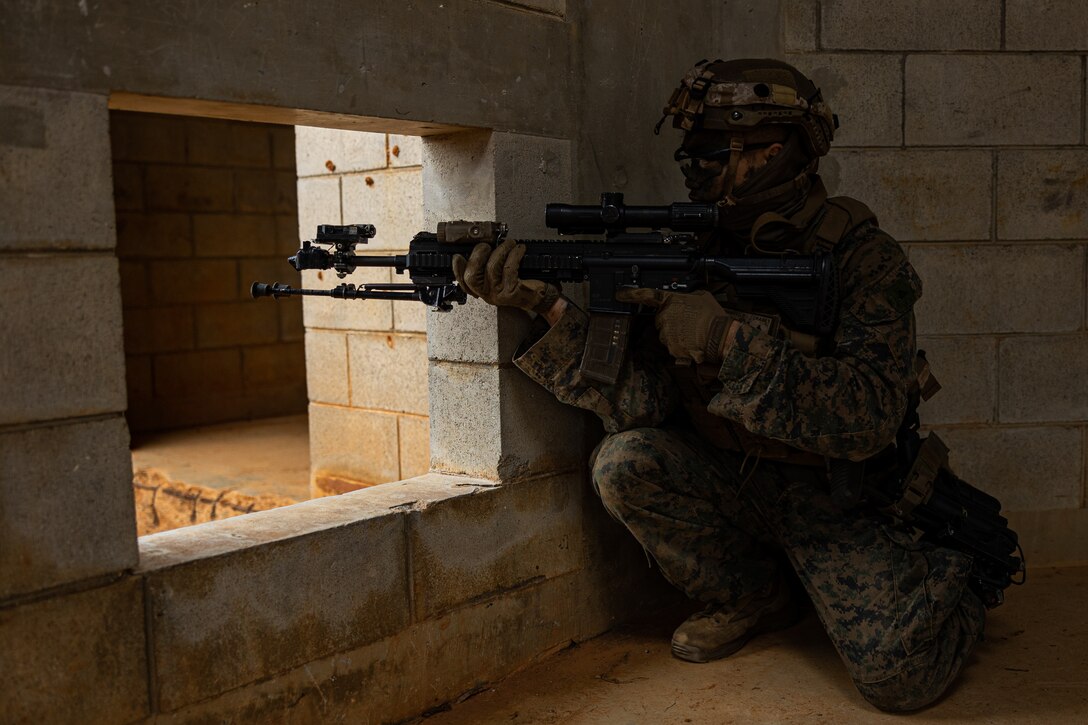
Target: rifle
(668, 255)
(665, 254)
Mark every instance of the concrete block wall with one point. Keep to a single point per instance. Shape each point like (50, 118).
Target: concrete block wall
(366, 360)
(489, 572)
(205, 207)
(963, 128)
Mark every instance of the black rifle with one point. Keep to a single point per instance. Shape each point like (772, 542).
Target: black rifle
(802, 287)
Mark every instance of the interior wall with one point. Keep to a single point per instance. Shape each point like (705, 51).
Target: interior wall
(366, 360)
(204, 207)
(963, 129)
(243, 616)
(477, 576)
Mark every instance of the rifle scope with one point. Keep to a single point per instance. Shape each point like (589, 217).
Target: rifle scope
(614, 216)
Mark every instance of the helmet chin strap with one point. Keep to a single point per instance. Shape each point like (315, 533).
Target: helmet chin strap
(736, 148)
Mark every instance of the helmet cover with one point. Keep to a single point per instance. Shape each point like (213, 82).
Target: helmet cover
(752, 99)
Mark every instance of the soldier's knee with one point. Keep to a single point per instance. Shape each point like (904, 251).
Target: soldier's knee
(898, 694)
(622, 462)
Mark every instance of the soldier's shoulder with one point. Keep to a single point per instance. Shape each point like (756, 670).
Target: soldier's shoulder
(873, 266)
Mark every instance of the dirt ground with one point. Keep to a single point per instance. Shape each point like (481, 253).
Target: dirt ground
(1032, 668)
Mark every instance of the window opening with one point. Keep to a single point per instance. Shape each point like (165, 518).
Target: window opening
(221, 420)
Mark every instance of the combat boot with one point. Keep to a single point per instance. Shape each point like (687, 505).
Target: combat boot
(720, 630)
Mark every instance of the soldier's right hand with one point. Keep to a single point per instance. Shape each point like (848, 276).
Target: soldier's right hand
(492, 276)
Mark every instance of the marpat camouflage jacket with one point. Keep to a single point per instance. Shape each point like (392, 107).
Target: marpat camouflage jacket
(847, 404)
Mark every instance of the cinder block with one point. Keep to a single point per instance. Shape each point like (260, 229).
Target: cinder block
(147, 137)
(60, 365)
(553, 7)
(415, 445)
(458, 177)
(267, 269)
(135, 291)
(495, 423)
(255, 191)
(992, 288)
(866, 91)
(283, 147)
(1027, 469)
(1042, 194)
(918, 25)
(966, 367)
(158, 329)
(76, 658)
(286, 193)
(388, 371)
(138, 381)
(128, 187)
(287, 237)
(323, 151)
(318, 203)
(188, 188)
(972, 114)
(225, 616)
(431, 662)
(272, 365)
(470, 547)
(405, 150)
(410, 316)
(327, 367)
(155, 235)
(55, 190)
(800, 22)
(66, 505)
(476, 332)
(213, 142)
(324, 312)
(1043, 379)
(928, 195)
(529, 172)
(234, 235)
(185, 281)
(237, 323)
(291, 327)
(354, 444)
(201, 407)
(1055, 538)
(1046, 25)
(434, 662)
(198, 374)
(271, 402)
(465, 421)
(390, 200)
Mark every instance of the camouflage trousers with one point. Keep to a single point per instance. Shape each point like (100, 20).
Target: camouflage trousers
(898, 611)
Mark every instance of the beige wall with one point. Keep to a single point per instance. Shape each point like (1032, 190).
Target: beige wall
(963, 129)
(381, 603)
(378, 604)
(204, 208)
(366, 361)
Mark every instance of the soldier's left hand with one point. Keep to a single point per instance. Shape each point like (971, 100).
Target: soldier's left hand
(492, 275)
(692, 325)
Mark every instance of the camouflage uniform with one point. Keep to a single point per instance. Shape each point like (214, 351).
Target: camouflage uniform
(720, 523)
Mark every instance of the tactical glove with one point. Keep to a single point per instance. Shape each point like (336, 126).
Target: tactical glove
(492, 275)
(691, 325)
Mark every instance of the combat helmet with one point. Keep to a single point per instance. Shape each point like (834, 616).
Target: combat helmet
(751, 103)
(748, 98)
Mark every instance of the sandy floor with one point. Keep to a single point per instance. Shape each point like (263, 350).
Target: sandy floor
(1032, 668)
(270, 456)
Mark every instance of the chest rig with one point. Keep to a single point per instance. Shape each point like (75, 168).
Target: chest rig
(825, 225)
